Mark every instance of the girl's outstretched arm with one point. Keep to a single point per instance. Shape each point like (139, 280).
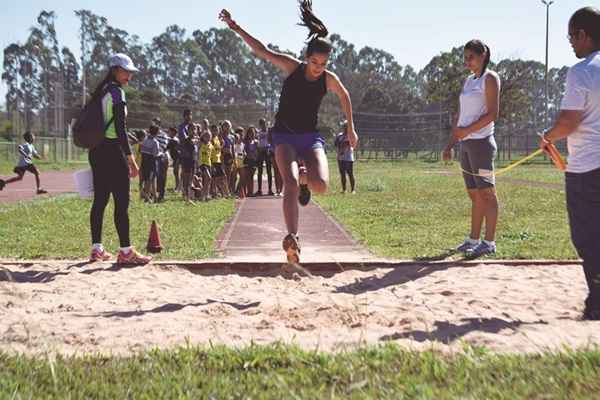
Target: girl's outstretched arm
(335, 85)
(283, 61)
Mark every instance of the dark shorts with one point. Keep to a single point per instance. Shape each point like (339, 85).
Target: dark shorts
(477, 162)
(187, 164)
(21, 170)
(250, 162)
(205, 170)
(303, 143)
(227, 159)
(148, 166)
(264, 156)
(217, 170)
(346, 166)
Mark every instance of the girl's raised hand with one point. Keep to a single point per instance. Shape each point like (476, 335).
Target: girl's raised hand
(225, 16)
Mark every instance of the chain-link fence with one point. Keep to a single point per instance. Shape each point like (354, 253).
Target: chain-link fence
(425, 135)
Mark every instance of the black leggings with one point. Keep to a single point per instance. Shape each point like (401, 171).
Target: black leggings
(266, 157)
(111, 176)
(346, 167)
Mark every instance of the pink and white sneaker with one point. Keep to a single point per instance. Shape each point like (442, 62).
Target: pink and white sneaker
(100, 255)
(132, 258)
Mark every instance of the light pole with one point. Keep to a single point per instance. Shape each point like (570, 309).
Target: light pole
(547, 4)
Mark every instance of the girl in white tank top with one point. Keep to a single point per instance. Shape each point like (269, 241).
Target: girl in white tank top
(479, 108)
(473, 105)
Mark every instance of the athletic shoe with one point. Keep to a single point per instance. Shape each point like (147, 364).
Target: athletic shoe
(258, 194)
(482, 249)
(271, 193)
(41, 191)
(466, 246)
(291, 245)
(2, 184)
(304, 196)
(132, 258)
(100, 255)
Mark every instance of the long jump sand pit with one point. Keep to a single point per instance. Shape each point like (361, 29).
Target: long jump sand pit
(96, 308)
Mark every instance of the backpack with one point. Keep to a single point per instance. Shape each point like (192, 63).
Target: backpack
(89, 127)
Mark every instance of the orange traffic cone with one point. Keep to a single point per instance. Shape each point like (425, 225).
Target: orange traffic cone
(154, 245)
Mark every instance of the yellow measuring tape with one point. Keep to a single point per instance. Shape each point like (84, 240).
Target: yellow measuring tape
(508, 168)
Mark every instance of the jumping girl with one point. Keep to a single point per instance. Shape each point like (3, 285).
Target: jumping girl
(295, 133)
(478, 110)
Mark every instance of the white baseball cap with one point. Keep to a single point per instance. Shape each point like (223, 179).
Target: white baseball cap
(123, 61)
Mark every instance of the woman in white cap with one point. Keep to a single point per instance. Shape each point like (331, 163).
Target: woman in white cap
(113, 164)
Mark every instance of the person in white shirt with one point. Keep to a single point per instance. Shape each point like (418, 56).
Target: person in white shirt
(478, 110)
(579, 123)
(345, 158)
(27, 153)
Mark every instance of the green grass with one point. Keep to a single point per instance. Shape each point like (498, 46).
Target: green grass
(280, 372)
(409, 210)
(403, 209)
(59, 227)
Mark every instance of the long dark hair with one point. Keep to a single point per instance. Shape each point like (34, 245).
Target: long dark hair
(317, 31)
(478, 47)
(110, 77)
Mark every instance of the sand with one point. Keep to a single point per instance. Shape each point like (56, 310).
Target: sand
(68, 308)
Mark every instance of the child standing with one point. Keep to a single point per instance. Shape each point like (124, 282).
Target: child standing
(140, 135)
(345, 158)
(189, 155)
(173, 149)
(151, 153)
(27, 152)
(251, 147)
(219, 179)
(239, 154)
(206, 149)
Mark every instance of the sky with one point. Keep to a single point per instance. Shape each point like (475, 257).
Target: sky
(413, 31)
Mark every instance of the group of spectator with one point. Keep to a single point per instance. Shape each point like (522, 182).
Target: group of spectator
(209, 160)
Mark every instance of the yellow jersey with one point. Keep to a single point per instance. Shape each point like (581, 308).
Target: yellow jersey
(216, 150)
(206, 150)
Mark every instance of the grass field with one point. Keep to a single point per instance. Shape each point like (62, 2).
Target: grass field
(59, 227)
(402, 209)
(283, 372)
(406, 209)
(416, 210)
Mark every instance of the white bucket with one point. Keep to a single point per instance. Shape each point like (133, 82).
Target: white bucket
(84, 182)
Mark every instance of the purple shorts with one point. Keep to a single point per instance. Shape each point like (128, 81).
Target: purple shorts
(303, 143)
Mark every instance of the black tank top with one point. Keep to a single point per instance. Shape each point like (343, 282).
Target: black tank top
(299, 103)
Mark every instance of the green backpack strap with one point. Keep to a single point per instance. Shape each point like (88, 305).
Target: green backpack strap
(109, 122)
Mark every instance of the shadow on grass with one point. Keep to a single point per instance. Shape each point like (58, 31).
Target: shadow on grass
(439, 257)
(447, 332)
(171, 307)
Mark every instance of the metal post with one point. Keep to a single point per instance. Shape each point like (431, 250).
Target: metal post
(547, 4)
